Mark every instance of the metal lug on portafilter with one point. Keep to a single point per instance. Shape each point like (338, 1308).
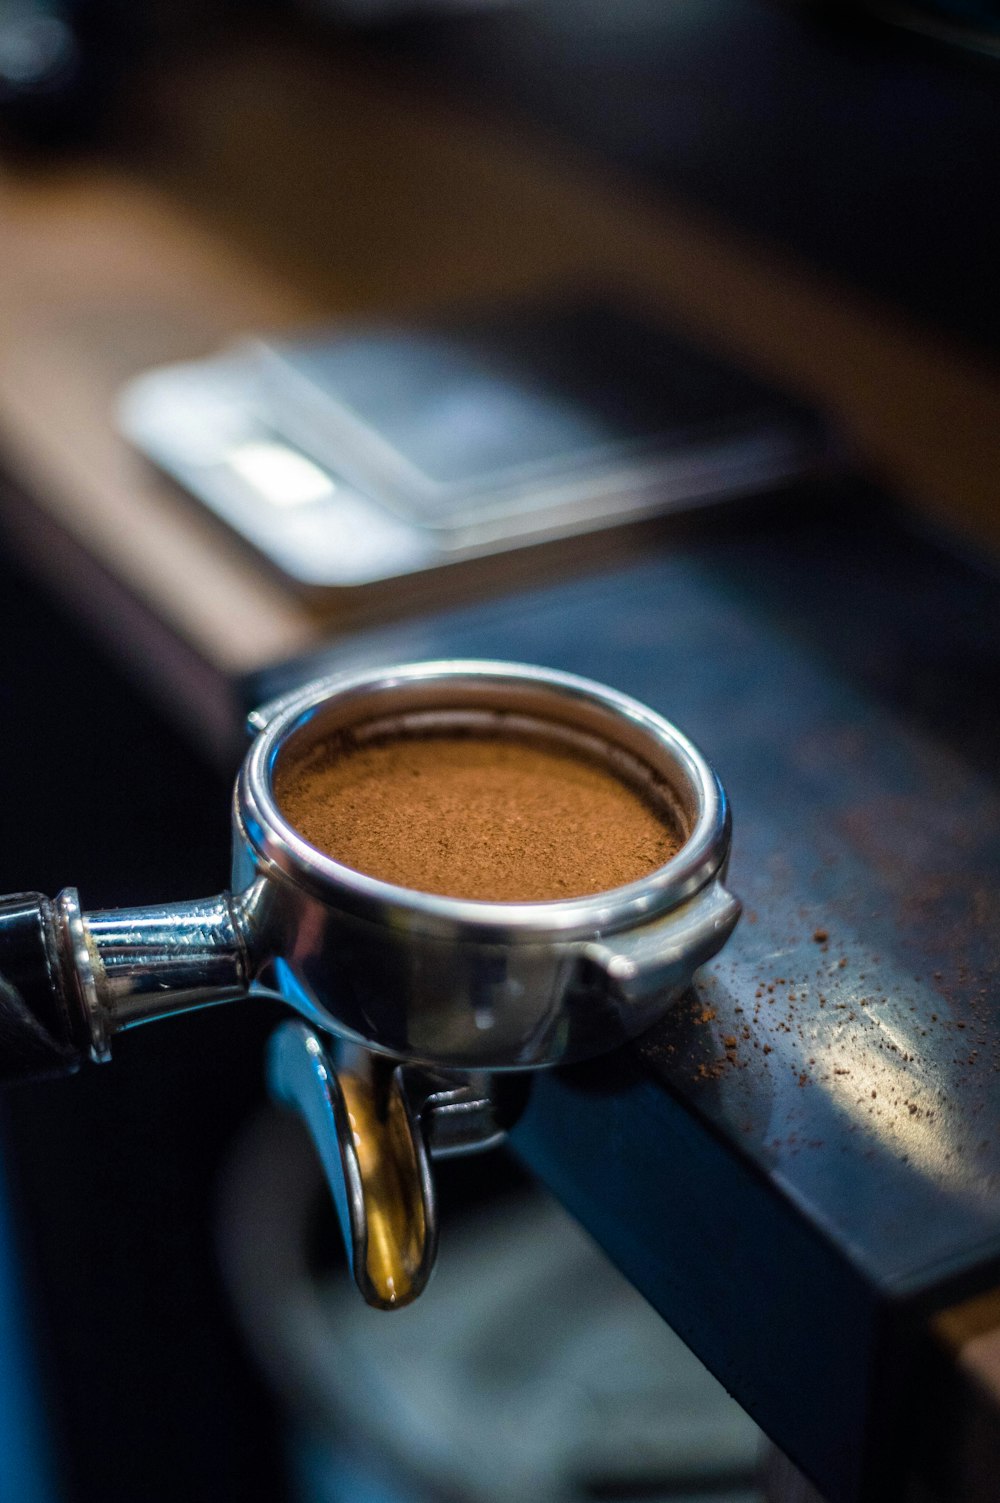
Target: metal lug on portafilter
(374, 1124)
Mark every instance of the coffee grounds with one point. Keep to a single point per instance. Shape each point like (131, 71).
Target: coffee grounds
(482, 817)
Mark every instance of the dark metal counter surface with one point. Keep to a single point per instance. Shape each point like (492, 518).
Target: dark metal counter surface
(803, 1161)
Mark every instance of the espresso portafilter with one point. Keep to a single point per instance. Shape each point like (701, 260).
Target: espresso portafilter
(416, 1013)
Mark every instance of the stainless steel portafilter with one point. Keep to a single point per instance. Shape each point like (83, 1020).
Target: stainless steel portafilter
(412, 1007)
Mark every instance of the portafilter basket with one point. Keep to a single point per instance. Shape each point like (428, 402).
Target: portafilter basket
(412, 1006)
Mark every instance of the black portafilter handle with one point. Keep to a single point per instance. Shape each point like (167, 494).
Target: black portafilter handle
(42, 1031)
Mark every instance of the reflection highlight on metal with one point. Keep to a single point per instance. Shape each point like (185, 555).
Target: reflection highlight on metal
(427, 996)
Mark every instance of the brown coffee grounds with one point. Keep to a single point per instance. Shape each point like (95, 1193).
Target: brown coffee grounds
(494, 819)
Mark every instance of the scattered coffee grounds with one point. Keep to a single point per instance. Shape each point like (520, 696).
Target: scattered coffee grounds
(469, 816)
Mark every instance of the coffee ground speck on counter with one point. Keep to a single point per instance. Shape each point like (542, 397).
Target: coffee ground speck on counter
(490, 818)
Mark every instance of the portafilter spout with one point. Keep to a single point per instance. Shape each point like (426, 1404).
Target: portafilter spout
(413, 1007)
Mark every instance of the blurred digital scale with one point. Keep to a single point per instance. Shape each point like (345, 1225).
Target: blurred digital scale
(369, 453)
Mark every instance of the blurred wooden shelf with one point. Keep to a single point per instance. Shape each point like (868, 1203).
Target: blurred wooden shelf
(284, 188)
